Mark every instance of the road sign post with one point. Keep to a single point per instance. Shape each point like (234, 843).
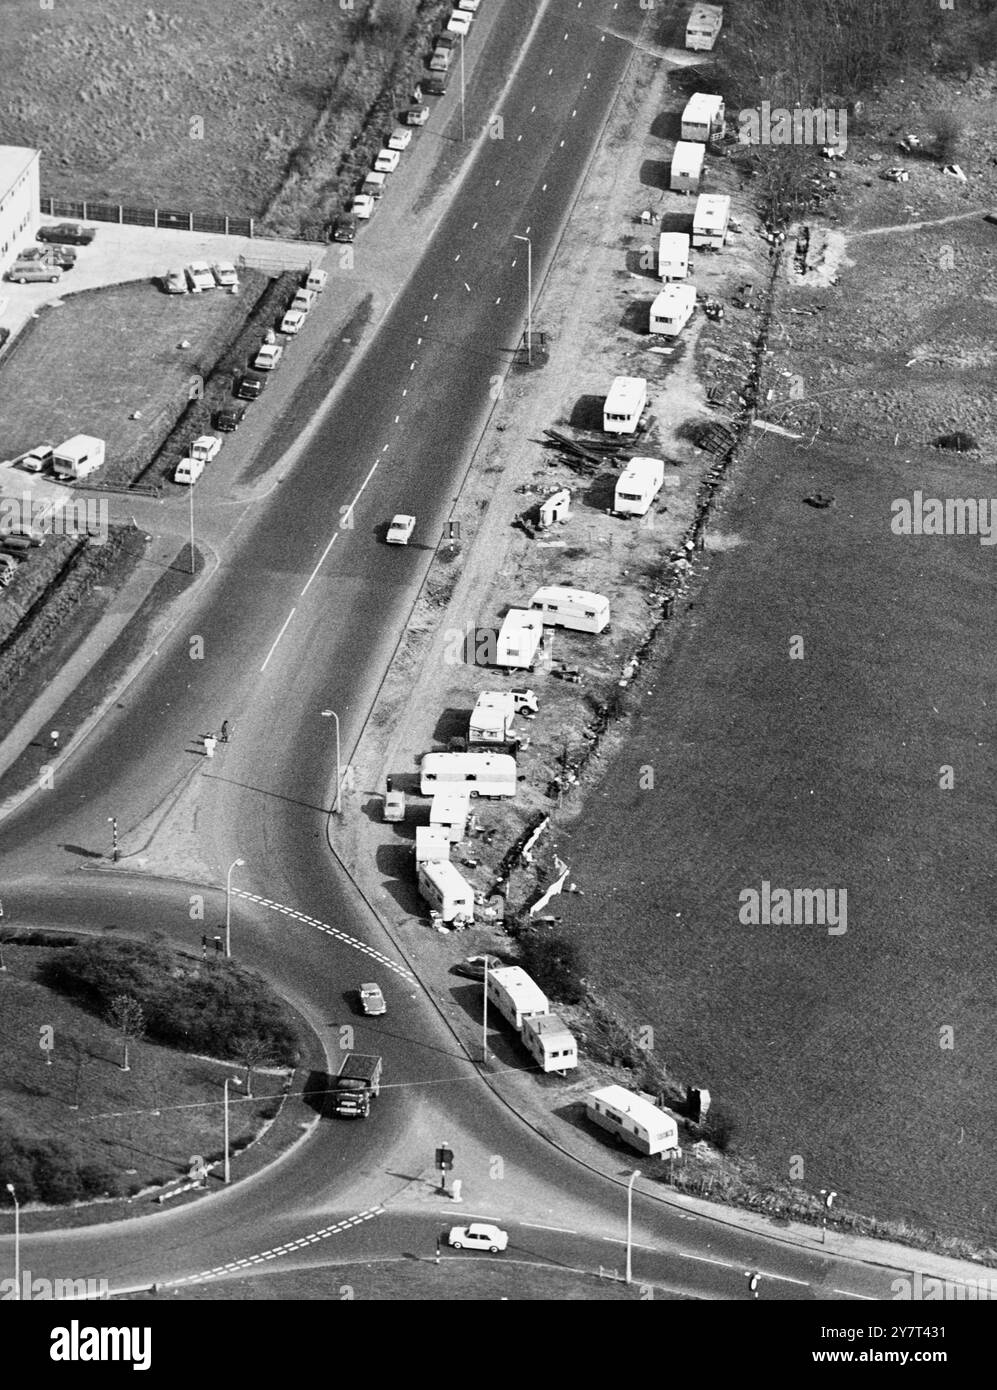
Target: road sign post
(444, 1161)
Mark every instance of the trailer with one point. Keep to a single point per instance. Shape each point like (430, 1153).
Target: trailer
(624, 405)
(448, 813)
(637, 486)
(687, 167)
(673, 255)
(447, 892)
(494, 714)
(578, 609)
(703, 117)
(432, 844)
(357, 1084)
(550, 1042)
(515, 995)
(633, 1119)
(710, 221)
(78, 457)
(703, 27)
(672, 309)
(477, 774)
(519, 640)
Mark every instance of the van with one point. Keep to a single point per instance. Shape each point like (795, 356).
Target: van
(634, 1120)
(637, 486)
(188, 470)
(78, 457)
(673, 255)
(703, 117)
(577, 609)
(446, 891)
(481, 774)
(687, 167)
(315, 281)
(624, 405)
(519, 640)
(710, 221)
(672, 309)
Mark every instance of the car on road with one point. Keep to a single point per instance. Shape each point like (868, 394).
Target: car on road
(226, 275)
(480, 1235)
(400, 138)
(416, 115)
(71, 232)
(35, 459)
(199, 277)
(363, 206)
(304, 299)
(372, 1000)
(292, 321)
(400, 530)
(21, 272)
(268, 357)
(474, 967)
(230, 417)
(174, 282)
(387, 161)
(249, 385)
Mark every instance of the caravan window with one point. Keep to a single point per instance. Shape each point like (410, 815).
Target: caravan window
(590, 613)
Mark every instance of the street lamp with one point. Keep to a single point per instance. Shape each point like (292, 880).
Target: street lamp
(829, 1197)
(529, 297)
(630, 1217)
(236, 864)
(462, 132)
(337, 804)
(17, 1240)
(237, 1081)
(113, 823)
(190, 491)
(484, 1018)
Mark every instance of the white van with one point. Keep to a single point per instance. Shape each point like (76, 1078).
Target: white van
(703, 117)
(315, 281)
(515, 995)
(687, 167)
(519, 640)
(446, 891)
(188, 470)
(481, 774)
(574, 608)
(673, 255)
(78, 457)
(637, 486)
(624, 405)
(672, 309)
(633, 1119)
(710, 220)
(550, 1042)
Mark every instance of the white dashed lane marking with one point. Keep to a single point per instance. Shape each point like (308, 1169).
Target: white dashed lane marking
(329, 931)
(277, 1250)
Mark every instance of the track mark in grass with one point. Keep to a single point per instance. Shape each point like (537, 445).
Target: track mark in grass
(329, 931)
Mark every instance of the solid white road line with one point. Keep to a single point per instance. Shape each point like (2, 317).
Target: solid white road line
(535, 1226)
(278, 637)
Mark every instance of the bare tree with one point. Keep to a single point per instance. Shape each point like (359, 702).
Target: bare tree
(252, 1052)
(126, 1016)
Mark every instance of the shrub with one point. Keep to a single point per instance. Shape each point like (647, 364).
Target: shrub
(554, 961)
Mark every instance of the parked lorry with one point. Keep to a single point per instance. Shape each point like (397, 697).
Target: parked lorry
(358, 1083)
(78, 457)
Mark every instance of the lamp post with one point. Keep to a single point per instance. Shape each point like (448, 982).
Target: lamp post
(190, 490)
(630, 1217)
(829, 1197)
(484, 1018)
(237, 1081)
(462, 132)
(529, 296)
(113, 823)
(337, 804)
(17, 1240)
(236, 864)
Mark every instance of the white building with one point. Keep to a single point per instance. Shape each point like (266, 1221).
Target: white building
(19, 205)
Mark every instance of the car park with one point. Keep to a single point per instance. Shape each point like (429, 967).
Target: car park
(230, 417)
(416, 115)
(387, 161)
(372, 1000)
(71, 232)
(268, 357)
(304, 299)
(199, 277)
(400, 138)
(292, 321)
(35, 459)
(480, 1235)
(400, 530)
(249, 385)
(363, 206)
(344, 228)
(225, 274)
(23, 272)
(174, 282)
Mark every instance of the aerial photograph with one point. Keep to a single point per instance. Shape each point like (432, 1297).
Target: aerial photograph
(498, 779)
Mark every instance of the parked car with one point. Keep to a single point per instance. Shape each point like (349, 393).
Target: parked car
(387, 161)
(62, 256)
(205, 447)
(71, 232)
(400, 138)
(174, 282)
(474, 967)
(416, 115)
(459, 22)
(441, 60)
(471, 6)
(21, 272)
(230, 417)
(268, 357)
(35, 459)
(434, 84)
(372, 1000)
(344, 228)
(226, 275)
(33, 253)
(304, 299)
(315, 281)
(363, 206)
(292, 321)
(199, 277)
(249, 385)
(480, 1235)
(446, 41)
(400, 530)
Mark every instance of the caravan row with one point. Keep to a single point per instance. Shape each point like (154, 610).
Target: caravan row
(523, 1005)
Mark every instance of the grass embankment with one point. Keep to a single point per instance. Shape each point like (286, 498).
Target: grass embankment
(77, 1126)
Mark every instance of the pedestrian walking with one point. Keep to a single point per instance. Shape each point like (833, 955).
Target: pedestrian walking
(209, 745)
(224, 731)
(54, 736)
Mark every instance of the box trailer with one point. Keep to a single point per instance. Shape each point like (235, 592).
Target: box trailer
(624, 405)
(703, 27)
(515, 995)
(432, 844)
(578, 609)
(478, 774)
(637, 486)
(550, 1042)
(448, 813)
(710, 220)
(673, 255)
(672, 309)
(519, 639)
(78, 457)
(687, 167)
(703, 117)
(446, 891)
(633, 1119)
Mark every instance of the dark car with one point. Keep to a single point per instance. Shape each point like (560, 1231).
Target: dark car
(71, 232)
(250, 384)
(62, 256)
(474, 967)
(434, 84)
(230, 417)
(344, 228)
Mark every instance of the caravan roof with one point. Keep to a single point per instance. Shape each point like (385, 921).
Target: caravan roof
(626, 394)
(549, 1026)
(712, 210)
(673, 299)
(525, 992)
(702, 108)
(640, 1110)
(688, 158)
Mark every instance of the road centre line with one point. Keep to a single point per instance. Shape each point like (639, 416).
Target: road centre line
(281, 633)
(535, 1226)
(330, 931)
(846, 1293)
(276, 1250)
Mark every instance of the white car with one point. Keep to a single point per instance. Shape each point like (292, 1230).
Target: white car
(372, 1000)
(303, 300)
(471, 6)
(400, 138)
(480, 1235)
(225, 274)
(174, 282)
(199, 277)
(387, 161)
(400, 530)
(292, 321)
(363, 206)
(268, 357)
(459, 23)
(35, 459)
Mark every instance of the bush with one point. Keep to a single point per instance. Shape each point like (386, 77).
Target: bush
(554, 962)
(48, 1171)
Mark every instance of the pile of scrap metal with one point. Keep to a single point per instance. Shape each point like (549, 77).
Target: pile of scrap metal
(582, 458)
